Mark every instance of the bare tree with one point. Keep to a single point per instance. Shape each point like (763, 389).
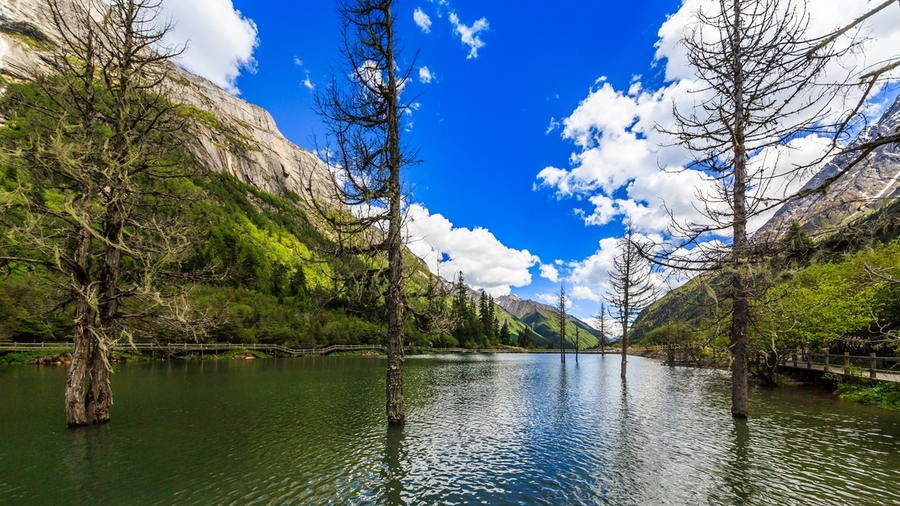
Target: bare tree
(765, 85)
(601, 318)
(362, 109)
(631, 284)
(577, 342)
(97, 154)
(561, 319)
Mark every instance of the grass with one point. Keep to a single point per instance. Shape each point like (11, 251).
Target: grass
(29, 357)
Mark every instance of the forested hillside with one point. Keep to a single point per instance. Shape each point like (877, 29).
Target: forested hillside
(258, 267)
(837, 293)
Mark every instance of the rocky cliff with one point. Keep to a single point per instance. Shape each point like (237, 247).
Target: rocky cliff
(868, 185)
(243, 140)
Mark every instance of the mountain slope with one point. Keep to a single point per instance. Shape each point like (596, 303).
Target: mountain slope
(229, 134)
(261, 269)
(866, 186)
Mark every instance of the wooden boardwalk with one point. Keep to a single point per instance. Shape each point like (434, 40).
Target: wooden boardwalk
(202, 347)
(277, 349)
(872, 367)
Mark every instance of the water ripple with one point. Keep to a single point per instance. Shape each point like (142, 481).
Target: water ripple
(480, 430)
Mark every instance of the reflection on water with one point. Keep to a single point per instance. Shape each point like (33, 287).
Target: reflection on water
(505, 429)
(737, 477)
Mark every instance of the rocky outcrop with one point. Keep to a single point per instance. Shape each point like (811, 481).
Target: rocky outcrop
(234, 136)
(868, 185)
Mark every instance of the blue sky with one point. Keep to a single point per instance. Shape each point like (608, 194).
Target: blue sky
(534, 123)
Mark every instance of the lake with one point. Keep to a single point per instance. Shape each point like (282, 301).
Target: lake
(481, 429)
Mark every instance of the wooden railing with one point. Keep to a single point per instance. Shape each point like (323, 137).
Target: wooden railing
(277, 348)
(201, 347)
(846, 364)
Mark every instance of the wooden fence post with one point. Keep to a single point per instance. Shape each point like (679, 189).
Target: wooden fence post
(846, 358)
(872, 365)
(827, 362)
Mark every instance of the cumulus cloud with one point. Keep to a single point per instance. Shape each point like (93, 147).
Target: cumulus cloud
(550, 273)
(422, 20)
(469, 34)
(581, 292)
(425, 75)
(220, 40)
(619, 150)
(486, 262)
(551, 299)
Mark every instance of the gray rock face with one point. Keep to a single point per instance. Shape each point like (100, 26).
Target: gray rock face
(245, 141)
(868, 185)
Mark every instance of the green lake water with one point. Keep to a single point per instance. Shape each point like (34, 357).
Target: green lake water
(481, 429)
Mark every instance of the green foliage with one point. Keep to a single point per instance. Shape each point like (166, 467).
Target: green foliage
(30, 357)
(826, 302)
(27, 313)
(505, 338)
(526, 339)
(256, 261)
(814, 295)
(882, 394)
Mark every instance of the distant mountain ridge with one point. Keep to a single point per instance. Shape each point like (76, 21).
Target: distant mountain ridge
(542, 319)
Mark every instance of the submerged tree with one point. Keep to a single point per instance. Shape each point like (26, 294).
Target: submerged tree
(631, 286)
(601, 319)
(763, 83)
(577, 342)
(561, 319)
(93, 141)
(362, 110)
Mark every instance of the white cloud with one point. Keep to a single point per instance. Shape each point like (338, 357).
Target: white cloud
(551, 299)
(615, 173)
(486, 262)
(422, 20)
(581, 292)
(469, 34)
(549, 272)
(220, 40)
(306, 82)
(425, 75)
(554, 125)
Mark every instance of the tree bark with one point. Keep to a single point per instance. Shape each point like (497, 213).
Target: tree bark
(396, 414)
(741, 308)
(77, 379)
(100, 396)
